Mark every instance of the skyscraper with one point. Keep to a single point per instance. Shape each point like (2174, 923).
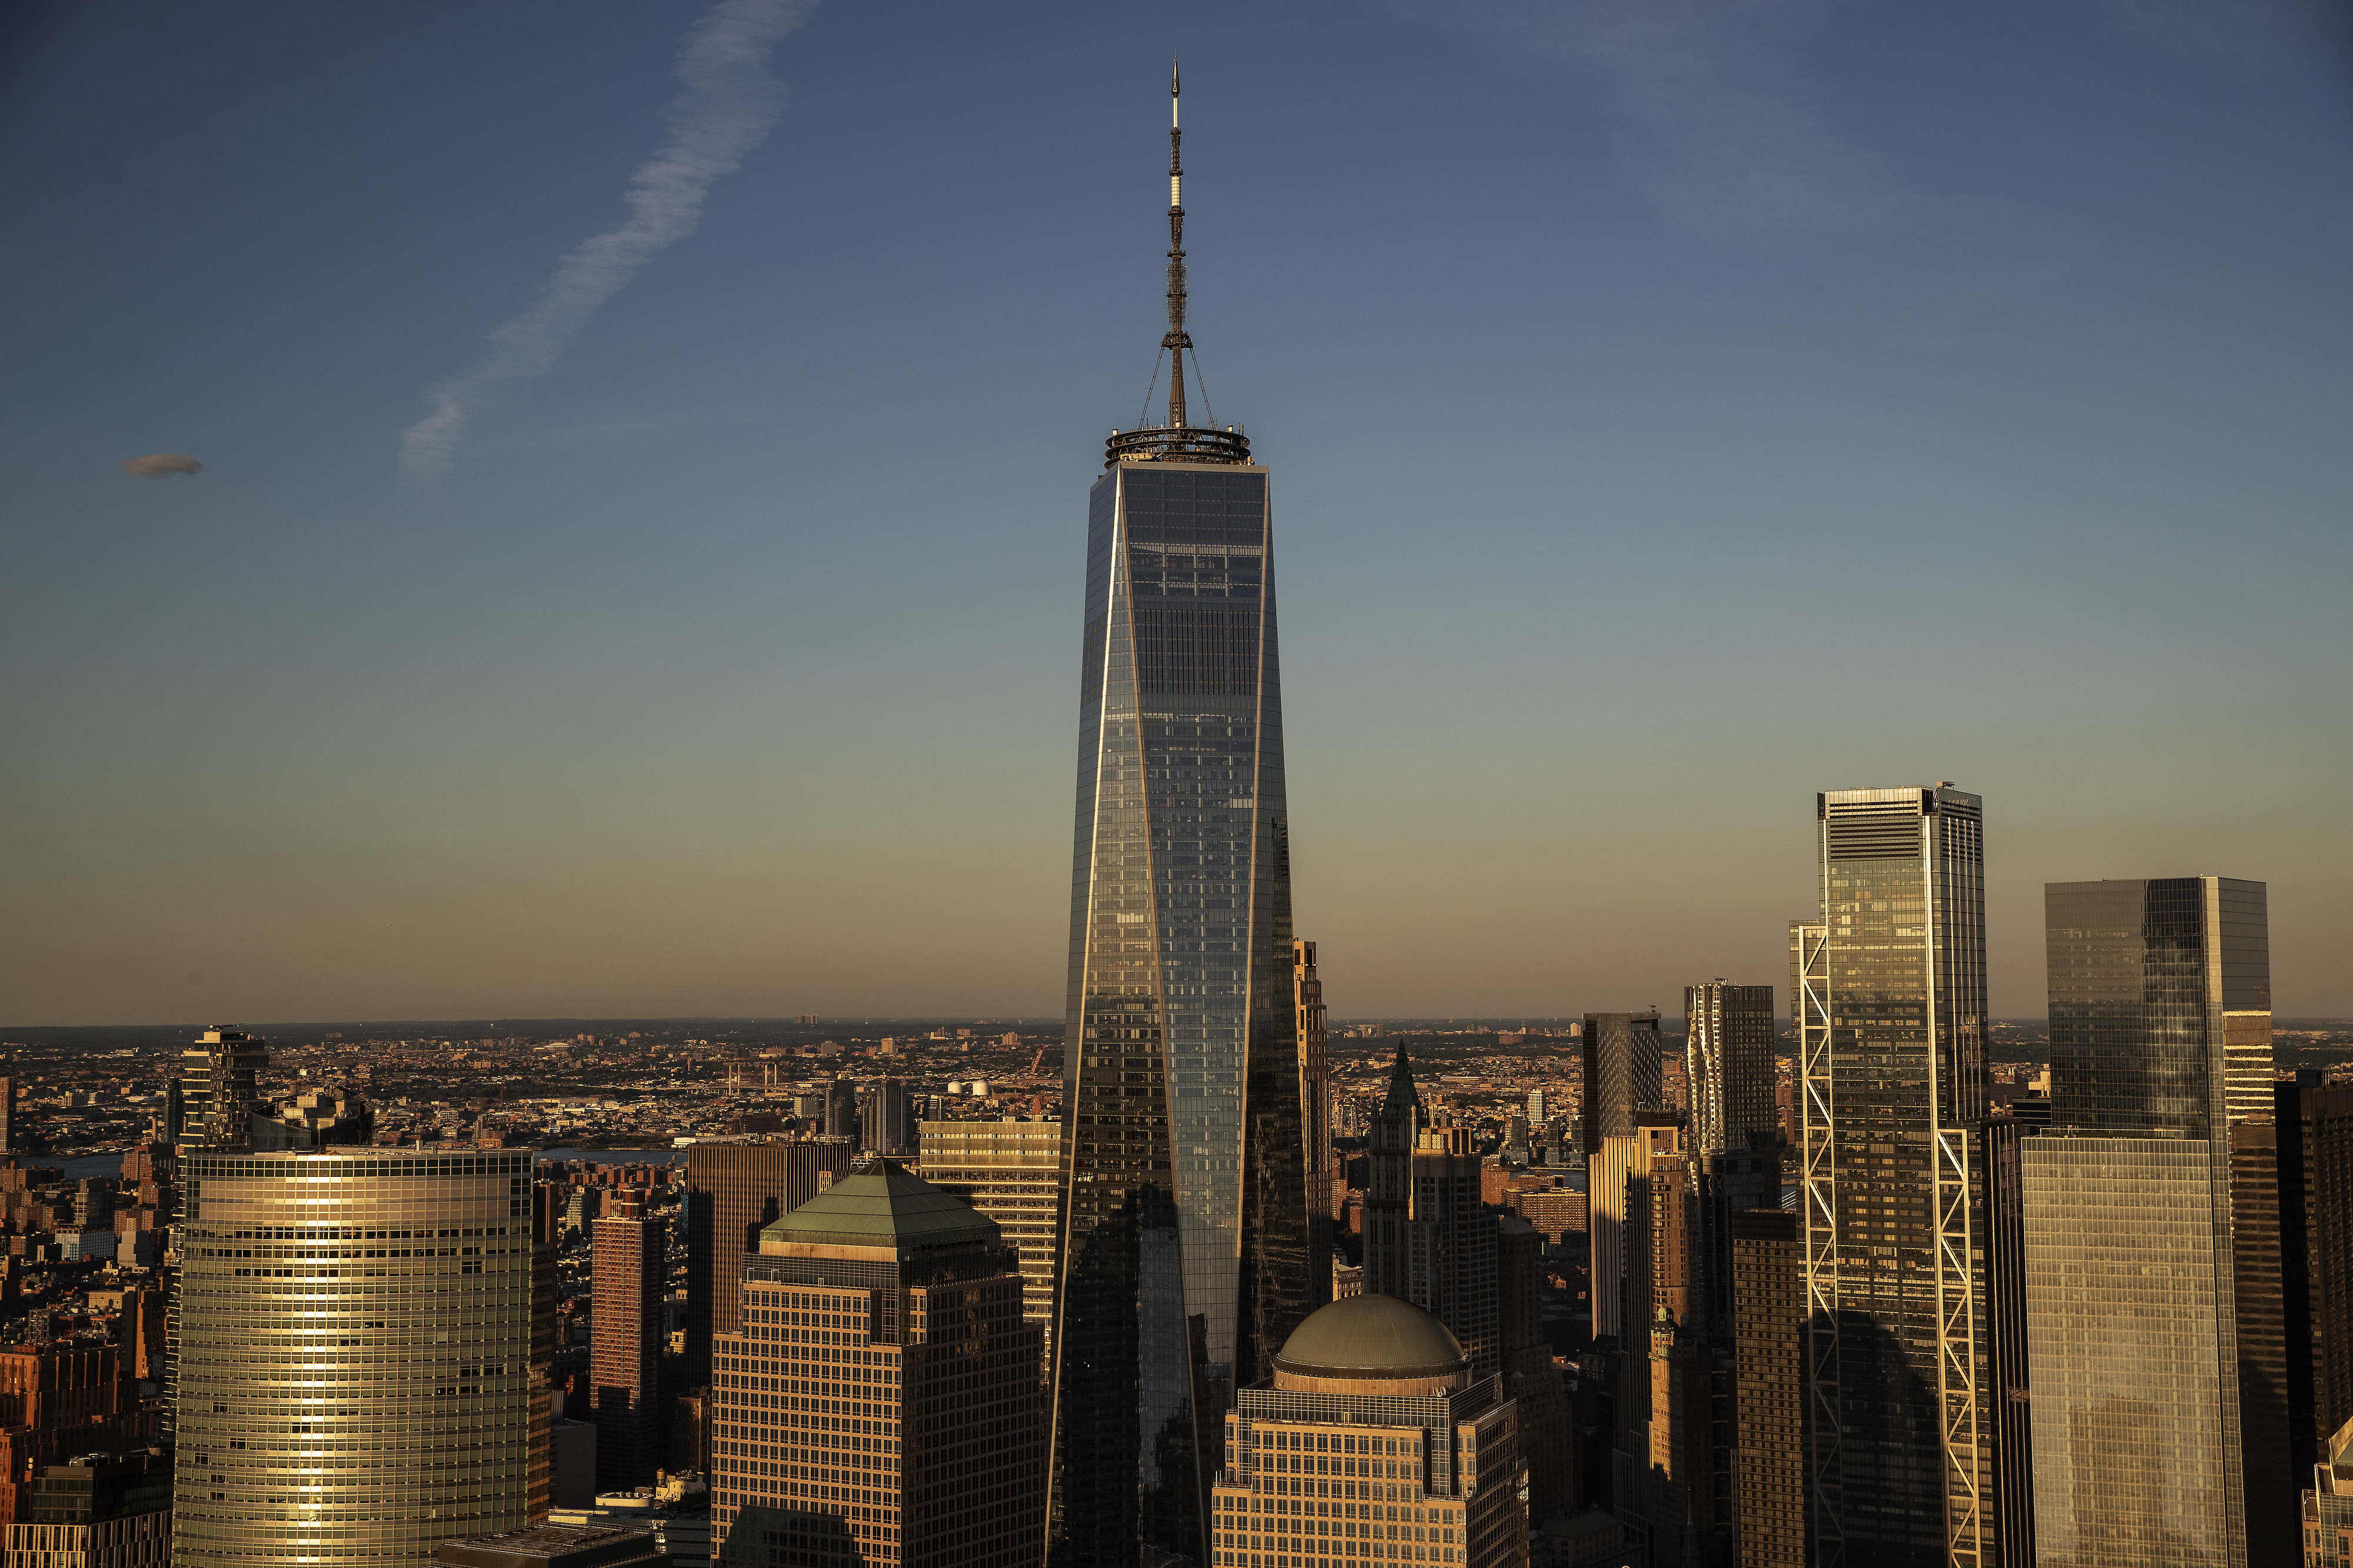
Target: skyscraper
(2143, 1205)
(2316, 1202)
(356, 1355)
(880, 1406)
(1769, 1319)
(1624, 1072)
(732, 1190)
(1729, 1051)
(629, 1284)
(1185, 1260)
(1316, 1118)
(1010, 1171)
(1887, 988)
(886, 1123)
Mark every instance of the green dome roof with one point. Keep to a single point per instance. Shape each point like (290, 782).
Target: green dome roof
(1373, 1336)
(882, 1205)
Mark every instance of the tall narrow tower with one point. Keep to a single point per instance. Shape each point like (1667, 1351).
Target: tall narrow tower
(1185, 1248)
(1888, 992)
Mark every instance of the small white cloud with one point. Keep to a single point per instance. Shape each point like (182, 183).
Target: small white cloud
(156, 464)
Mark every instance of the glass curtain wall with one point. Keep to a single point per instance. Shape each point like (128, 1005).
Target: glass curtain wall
(1185, 1245)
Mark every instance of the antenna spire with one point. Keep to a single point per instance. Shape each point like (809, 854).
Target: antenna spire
(1176, 343)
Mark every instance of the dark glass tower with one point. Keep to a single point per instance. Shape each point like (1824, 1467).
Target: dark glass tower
(1185, 1242)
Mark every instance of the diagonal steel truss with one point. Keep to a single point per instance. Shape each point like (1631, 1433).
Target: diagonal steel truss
(1818, 1197)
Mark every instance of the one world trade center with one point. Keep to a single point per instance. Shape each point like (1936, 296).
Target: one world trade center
(1184, 1261)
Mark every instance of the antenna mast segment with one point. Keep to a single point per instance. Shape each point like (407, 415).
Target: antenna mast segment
(1177, 342)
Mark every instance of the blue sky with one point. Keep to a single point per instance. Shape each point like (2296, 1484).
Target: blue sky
(1674, 409)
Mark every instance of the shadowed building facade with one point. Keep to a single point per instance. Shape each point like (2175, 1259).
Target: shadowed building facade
(629, 1284)
(1185, 1249)
(732, 1191)
(1888, 988)
(1011, 1172)
(879, 1405)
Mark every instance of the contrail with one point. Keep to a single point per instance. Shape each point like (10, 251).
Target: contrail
(726, 108)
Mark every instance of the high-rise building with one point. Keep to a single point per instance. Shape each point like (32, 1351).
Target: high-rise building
(732, 1191)
(1887, 989)
(1617, 1238)
(1530, 1379)
(1372, 1442)
(1314, 1117)
(885, 1122)
(2153, 1298)
(1185, 1254)
(1728, 1033)
(218, 1086)
(1009, 1171)
(2315, 1203)
(1769, 1291)
(1625, 1067)
(841, 1110)
(1432, 1241)
(356, 1349)
(8, 1109)
(881, 1405)
(629, 1285)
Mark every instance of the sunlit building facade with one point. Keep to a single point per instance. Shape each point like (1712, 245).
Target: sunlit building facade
(1185, 1257)
(1888, 994)
(357, 1381)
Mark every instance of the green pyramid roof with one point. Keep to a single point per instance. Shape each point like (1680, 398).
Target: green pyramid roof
(881, 1206)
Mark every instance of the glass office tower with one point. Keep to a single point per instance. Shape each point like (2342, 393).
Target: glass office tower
(362, 1367)
(1888, 992)
(1185, 1252)
(2155, 1352)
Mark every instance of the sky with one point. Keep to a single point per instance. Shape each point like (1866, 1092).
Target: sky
(635, 566)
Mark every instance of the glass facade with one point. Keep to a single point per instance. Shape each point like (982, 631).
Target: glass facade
(1888, 987)
(2160, 1030)
(1625, 1069)
(2131, 1355)
(357, 1375)
(1185, 1246)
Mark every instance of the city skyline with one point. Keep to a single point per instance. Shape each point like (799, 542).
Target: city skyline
(589, 729)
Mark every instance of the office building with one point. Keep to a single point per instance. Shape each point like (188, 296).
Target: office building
(1625, 1067)
(886, 1123)
(8, 1109)
(1314, 1117)
(357, 1331)
(732, 1191)
(2314, 1123)
(2153, 1293)
(631, 1283)
(1530, 1379)
(1887, 985)
(1372, 1442)
(1011, 1172)
(1432, 1241)
(841, 1110)
(95, 1510)
(1769, 1320)
(1185, 1262)
(1621, 1283)
(881, 1404)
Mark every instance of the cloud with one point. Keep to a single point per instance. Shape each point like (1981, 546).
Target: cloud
(727, 104)
(155, 464)
(1707, 107)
